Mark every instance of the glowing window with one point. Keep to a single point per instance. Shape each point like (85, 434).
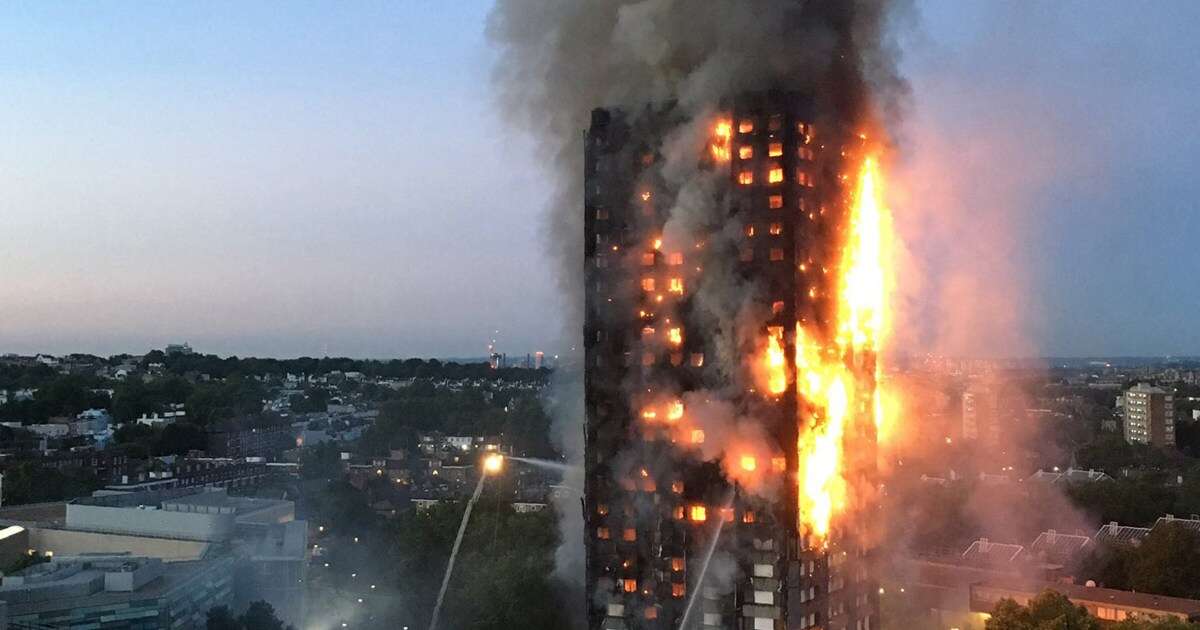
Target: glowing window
(778, 464)
(697, 436)
(602, 533)
(776, 307)
(775, 202)
(647, 284)
(776, 254)
(675, 336)
(727, 515)
(746, 178)
(629, 585)
(699, 513)
(746, 254)
(630, 534)
(678, 513)
(677, 589)
(804, 153)
(648, 359)
(601, 214)
(676, 285)
(775, 175)
(802, 177)
(697, 359)
(746, 125)
(745, 152)
(675, 259)
(776, 229)
(648, 485)
(677, 487)
(748, 517)
(648, 259)
(775, 149)
(646, 196)
(677, 359)
(648, 331)
(749, 230)
(649, 414)
(675, 410)
(651, 613)
(602, 509)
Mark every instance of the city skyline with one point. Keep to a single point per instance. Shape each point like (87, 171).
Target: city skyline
(321, 182)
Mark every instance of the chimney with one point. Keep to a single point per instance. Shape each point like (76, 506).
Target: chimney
(983, 545)
(1112, 528)
(1051, 536)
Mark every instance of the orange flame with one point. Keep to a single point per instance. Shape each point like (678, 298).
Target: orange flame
(839, 382)
(776, 361)
(722, 139)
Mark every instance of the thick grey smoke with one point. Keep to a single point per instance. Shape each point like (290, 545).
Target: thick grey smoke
(560, 59)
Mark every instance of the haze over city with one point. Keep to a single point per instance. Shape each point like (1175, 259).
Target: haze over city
(321, 182)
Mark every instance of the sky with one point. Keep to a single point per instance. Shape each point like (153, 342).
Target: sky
(320, 178)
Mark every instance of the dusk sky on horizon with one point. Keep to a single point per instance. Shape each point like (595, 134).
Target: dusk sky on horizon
(330, 178)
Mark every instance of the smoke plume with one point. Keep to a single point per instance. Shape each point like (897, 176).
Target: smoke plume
(560, 59)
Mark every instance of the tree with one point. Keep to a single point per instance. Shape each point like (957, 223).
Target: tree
(1168, 563)
(219, 618)
(261, 616)
(179, 438)
(1048, 611)
(258, 616)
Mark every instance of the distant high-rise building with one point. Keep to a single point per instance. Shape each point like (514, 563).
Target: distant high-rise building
(980, 414)
(1149, 415)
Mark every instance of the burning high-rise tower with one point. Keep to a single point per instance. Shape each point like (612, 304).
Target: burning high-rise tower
(730, 371)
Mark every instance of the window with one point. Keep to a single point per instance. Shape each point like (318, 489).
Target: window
(629, 535)
(675, 259)
(647, 159)
(776, 307)
(699, 513)
(676, 285)
(602, 533)
(651, 613)
(602, 509)
(748, 517)
(647, 284)
(601, 214)
(775, 149)
(677, 487)
(746, 255)
(804, 153)
(648, 260)
(677, 589)
(775, 122)
(749, 230)
(745, 152)
(746, 125)
(697, 436)
(775, 175)
(697, 360)
(678, 513)
(776, 254)
(776, 229)
(802, 177)
(746, 178)
(775, 202)
(629, 585)
(675, 336)
(648, 359)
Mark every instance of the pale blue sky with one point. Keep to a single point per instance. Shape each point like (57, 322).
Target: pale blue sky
(301, 178)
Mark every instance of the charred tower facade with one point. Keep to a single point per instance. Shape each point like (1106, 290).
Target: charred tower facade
(686, 525)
